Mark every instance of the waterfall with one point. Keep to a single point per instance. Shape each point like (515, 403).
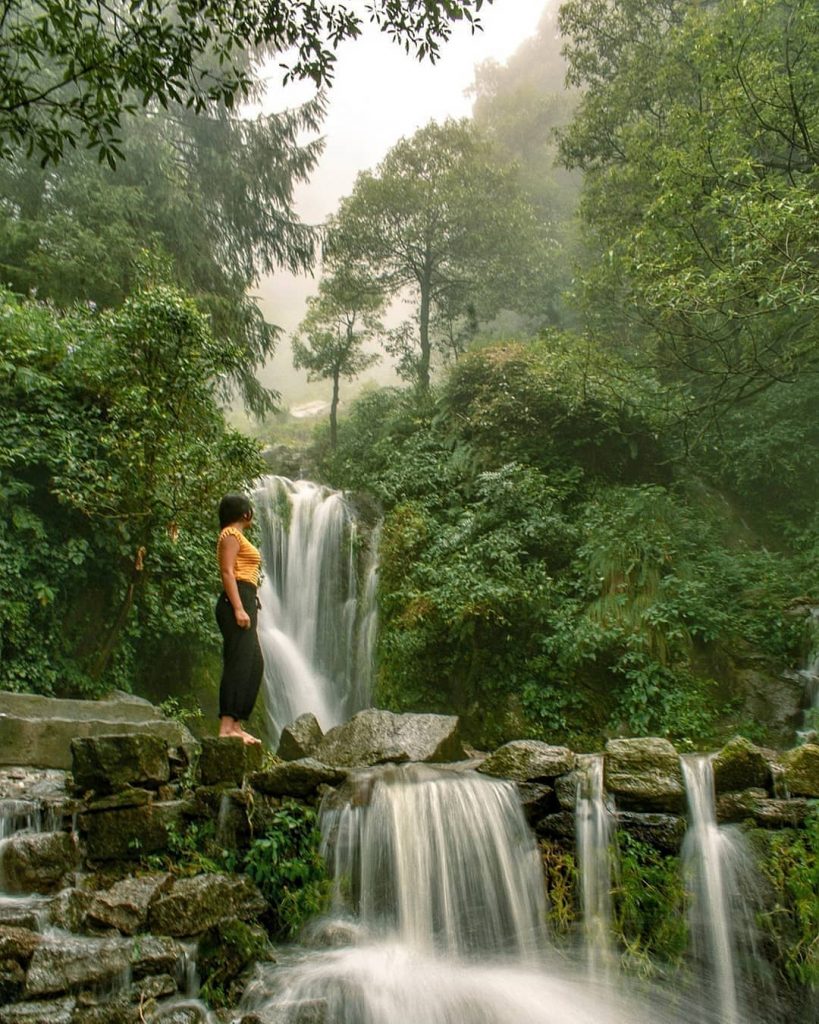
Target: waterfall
(465, 878)
(718, 868)
(317, 636)
(595, 826)
(441, 887)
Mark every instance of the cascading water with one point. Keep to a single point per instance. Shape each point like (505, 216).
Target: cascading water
(440, 881)
(316, 635)
(718, 869)
(595, 822)
(444, 885)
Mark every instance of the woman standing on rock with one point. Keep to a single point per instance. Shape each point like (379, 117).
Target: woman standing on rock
(236, 612)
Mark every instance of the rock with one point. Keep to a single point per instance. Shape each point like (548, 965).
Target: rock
(226, 951)
(536, 799)
(37, 862)
(12, 979)
(113, 1011)
(566, 790)
(155, 987)
(300, 739)
(377, 737)
(125, 905)
(740, 765)
(560, 826)
(755, 804)
(296, 778)
(69, 964)
(190, 1013)
(22, 912)
(130, 832)
(37, 731)
(108, 764)
(68, 909)
(194, 905)
(228, 760)
(40, 784)
(665, 832)
(644, 773)
(151, 954)
(128, 797)
(801, 770)
(50, 1011)
(528, 760)
(18, 944)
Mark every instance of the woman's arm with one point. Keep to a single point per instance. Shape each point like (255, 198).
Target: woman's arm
(228, 550)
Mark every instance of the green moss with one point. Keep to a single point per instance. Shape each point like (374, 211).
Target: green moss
(225, 952)
(561, 876)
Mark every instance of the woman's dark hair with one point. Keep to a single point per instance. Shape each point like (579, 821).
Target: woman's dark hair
(231, 509)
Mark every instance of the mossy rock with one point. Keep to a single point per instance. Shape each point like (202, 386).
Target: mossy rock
(528, 761)
(741, 765)
(225, 953)
(645, 774)
(801, 770)
(107, 764)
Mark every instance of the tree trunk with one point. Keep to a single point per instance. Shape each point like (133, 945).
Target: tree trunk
(334, 412)
(110, 642)
(423, 325)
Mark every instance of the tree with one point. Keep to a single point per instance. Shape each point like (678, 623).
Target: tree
(697, 135)
(212, 192)
(442, 218)
(69, 69)
(114, 452)
(328, 343)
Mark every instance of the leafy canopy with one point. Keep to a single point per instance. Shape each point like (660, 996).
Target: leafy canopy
(69, 69)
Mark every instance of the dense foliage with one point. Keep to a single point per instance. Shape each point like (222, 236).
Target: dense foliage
(114, 451)
(549, 564)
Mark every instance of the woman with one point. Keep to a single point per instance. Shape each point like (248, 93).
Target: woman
(236, 612)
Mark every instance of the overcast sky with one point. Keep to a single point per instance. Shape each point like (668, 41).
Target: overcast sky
(379, 95)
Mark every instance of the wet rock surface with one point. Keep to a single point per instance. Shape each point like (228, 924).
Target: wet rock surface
(107, 764)
(37, 862)
(125, 905)
(228, 760)
(528, 761)
(129, 833)
(377, 737)
(644, 773)
(741, 765)
(300, 739)
(297, 778)
(197, 904)
(665, 832)
(801, 770)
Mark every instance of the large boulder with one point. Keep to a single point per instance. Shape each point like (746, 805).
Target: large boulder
(37, 731)
(755, 805)
(300, 739)
(741, 765)
(801, 770)
(644, 774)
(130, 832)
(377, 737)
(195, 905)
(296, 778)
(36, 862)
(125, 905)
(107, 764)
(528, 761)
(68, 965)
(227, 760)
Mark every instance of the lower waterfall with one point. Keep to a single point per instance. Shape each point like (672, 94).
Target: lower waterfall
(439, 917)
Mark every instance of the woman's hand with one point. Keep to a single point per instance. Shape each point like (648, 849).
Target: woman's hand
(242, 618)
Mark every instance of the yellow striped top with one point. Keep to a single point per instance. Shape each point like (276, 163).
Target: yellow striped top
(248, 559)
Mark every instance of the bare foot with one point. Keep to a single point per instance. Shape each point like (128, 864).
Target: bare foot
(246, 736)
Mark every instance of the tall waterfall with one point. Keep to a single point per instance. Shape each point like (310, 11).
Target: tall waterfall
(718, 868)
(441, 890)
(595, 826)
(317, 635)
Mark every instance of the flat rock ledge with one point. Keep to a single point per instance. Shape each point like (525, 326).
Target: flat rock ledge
(379, 737)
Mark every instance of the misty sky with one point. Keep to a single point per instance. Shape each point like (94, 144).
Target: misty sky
(379, 95)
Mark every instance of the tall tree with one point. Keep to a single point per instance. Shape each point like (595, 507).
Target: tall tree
(697, 135)
(328, 343)
(442, 218)
(69, 69)
(212, 191)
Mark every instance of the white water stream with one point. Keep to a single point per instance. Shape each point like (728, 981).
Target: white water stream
(439, 906)
(595, 823)
(719, 872)
(317, 632)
